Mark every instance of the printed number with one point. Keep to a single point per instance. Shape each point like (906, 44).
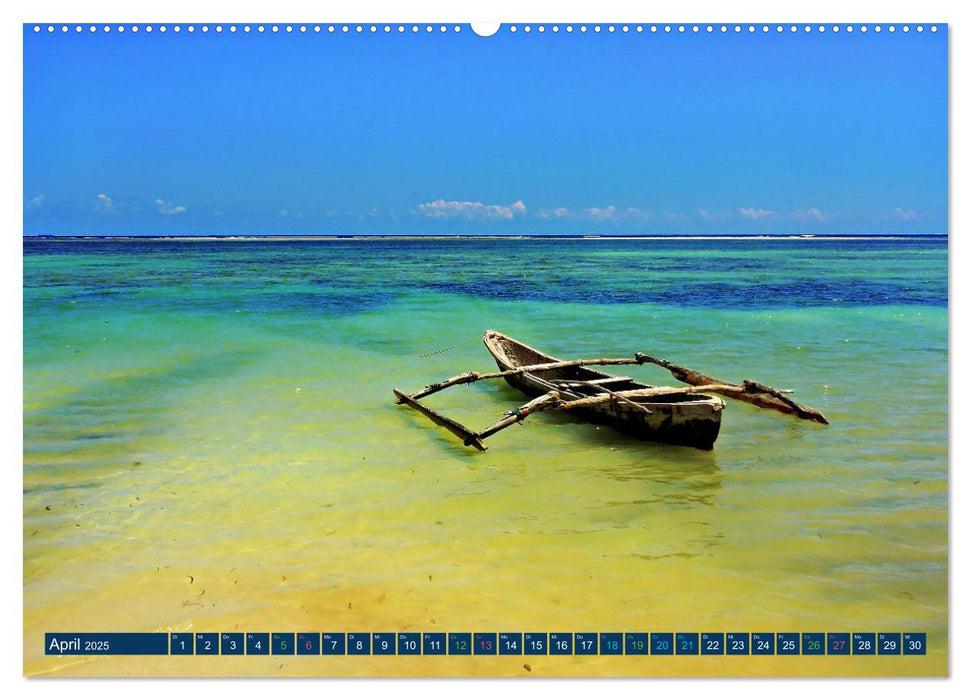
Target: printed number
(232, 645)
(864, 645)
(788, 645)
(586, 644)
(562, 645)
(433, 644)
(283, 644)
(762, 646)
(737, 644)
(511, 644)
(485, 644)
(258, 645)
(384, 645)
(208, 645)
(460, 644)
(839, 644)
(662, 645)
(713, 645)
(410, 645)
(813, 645)
(639, 644)
(536, 644)
(333, 644)
(914, 644)
(612, 644)
(182, 645)
(359, 644)
(308, 645)
(889, 644)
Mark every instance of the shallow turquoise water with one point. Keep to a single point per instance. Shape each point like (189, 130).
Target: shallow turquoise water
(223, 411)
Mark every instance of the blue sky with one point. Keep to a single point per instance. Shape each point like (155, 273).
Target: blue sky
(553, 133)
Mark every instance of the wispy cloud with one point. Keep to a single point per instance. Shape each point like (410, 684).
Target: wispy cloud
(754, 213)
(708, 215)
(104, 203)
(35, 202)
(166, 208)
(442, 209)
(809, 214)
(607, 213)
(558, 213)
(905, 214)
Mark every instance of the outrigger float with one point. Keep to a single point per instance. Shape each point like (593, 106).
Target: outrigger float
(675, 415)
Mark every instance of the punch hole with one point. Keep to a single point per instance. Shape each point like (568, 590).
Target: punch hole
(485, 28)
(906, 28)
(190, 29)
(205, 29)
(878, 29)
(681, 29)
(849, 29)
(934, 28)
(134, 28)
(121, 29)
(891, 29)
(751, 29)
(78, 29)
(920, 28)
(36, 28)
(527, 29)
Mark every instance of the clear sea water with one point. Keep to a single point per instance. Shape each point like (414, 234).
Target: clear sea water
(211, 444)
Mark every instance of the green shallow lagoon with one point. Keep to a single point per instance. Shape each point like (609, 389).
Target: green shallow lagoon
(211, 444)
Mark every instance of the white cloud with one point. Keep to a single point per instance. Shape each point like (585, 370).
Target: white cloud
(707, 215)
(441, 209)
(601, 214)
(905, 214)
(558, 213)
(753, 213)
(166, 208)
(809, 214)
(282, 212)
(35, 201)
(105, 203)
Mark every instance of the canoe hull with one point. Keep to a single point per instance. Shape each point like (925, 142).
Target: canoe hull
(693, 420)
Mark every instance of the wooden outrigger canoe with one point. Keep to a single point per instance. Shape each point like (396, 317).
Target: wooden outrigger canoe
(691, 419)
(678, 416)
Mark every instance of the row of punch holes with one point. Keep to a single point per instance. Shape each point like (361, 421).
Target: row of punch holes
(512, 28)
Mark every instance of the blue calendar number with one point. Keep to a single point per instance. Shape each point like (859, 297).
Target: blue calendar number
(686, 643)
(511, 643)
(864, 644)
(662, 643)
(611, 643)
(737, 643)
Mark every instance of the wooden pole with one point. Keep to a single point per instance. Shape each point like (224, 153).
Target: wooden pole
(644, 393)
(541, 403)
(749, 391)
(469, 377)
